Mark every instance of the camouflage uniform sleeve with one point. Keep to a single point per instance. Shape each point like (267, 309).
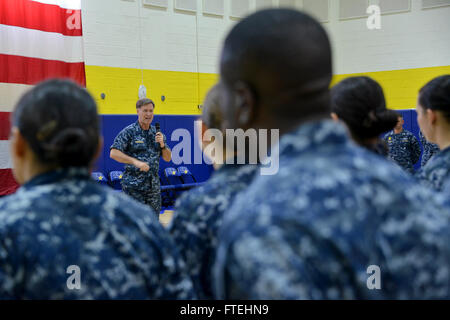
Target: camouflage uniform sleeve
(5, 292)
(415, 152)
(422, 139)
(174, 282)
(122, 141)
(158, 256)
(182, 211)
(259, 266)
(446, 192)
(186, 225)
(6, 267)
(194, 229)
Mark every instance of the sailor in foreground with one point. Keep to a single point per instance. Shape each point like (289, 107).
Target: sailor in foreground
(433, 116)
(63, 236)
(199, 212)
(337, 221)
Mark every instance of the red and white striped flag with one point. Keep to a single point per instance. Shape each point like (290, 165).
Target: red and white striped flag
(39, 39)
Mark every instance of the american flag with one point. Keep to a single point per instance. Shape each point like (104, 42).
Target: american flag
(39, 39)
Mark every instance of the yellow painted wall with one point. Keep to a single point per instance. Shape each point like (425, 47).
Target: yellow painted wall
(401, 86)
(185, 90)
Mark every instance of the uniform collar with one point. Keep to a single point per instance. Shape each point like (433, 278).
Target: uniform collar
(150, 129)
(233, 166)
(57, 175)
(314, 134)
(230, 171)
(446, 150)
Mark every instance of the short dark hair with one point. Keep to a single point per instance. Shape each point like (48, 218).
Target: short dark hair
(284, 56)
(435, 95)
(59, 121)
(144, 102)
(360, 103)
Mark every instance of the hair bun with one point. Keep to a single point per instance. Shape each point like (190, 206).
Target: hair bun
(370, 120)
(70, 147)
(387, 119)
(60, 123)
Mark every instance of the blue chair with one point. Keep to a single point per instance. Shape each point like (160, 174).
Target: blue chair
(115, 178)
(174, 186)
(188, 178)
(99, 177)
(186, 175)
(173, 178)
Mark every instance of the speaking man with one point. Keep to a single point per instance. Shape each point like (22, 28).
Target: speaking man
(139, 147)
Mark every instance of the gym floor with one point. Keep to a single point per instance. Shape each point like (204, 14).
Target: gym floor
(166, 217)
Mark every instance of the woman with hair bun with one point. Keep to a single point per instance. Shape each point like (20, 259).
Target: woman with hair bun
(359, 102)
(433, 116)
(64, 236)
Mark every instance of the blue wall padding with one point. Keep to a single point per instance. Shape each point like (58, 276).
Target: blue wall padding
(112, 124)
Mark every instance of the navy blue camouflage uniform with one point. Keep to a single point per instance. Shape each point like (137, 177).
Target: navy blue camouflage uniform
(141, 145)
(404, 149)
(198, 216)
(446, 192)
(429, 149)
(63, 218)
(437, 171)
(312, 230)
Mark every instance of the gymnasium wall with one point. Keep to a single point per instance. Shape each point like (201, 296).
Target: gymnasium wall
(179, 54)
(180, 49)
(411, 48)
(175, 52)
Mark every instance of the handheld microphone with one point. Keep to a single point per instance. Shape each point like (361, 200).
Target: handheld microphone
(158, 129)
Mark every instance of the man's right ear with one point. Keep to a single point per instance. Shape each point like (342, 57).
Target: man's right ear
(18, 143)
(203, 129)
(245, 105)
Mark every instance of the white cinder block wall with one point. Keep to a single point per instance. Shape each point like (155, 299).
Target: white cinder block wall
(169, 37)
(414, 39)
